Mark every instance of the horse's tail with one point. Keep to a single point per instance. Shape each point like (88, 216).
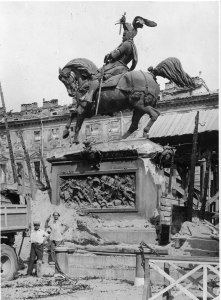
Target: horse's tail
(171, 69)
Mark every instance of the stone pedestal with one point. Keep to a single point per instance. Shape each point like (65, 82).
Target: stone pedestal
(62, 258)
(139, 277)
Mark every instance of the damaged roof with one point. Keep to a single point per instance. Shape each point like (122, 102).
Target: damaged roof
(181, 123)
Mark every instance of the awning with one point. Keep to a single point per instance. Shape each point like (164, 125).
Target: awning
(181, 123)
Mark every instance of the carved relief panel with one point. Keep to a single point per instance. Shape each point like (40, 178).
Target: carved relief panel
(100, 191)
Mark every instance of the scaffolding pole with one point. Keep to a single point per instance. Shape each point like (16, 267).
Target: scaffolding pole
(192, 169)
(206, 185)
(45, 175)
(28, 162)
(14, 170)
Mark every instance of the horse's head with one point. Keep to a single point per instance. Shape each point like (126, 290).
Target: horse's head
(69, 79)
(76, 73)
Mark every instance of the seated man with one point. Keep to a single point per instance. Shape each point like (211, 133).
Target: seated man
(117, 60)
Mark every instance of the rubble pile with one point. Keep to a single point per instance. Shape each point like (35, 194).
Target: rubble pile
(84, 236)
(198, 228)
(196, 238)
(42, 208)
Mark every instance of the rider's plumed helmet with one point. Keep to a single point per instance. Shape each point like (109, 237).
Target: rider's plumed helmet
(138, 22)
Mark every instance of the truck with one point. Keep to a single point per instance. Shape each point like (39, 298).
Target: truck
(15, 218)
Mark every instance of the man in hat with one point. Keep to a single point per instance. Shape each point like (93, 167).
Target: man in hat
(57, 230)
(116, 61)
(38, 237)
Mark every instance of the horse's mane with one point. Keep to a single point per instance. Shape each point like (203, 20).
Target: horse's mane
(171, 69)
(83, 65)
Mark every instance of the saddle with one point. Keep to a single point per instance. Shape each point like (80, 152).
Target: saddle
(112, 82)
(134, 81)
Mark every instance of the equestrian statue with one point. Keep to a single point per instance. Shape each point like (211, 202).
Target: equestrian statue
(116, 87)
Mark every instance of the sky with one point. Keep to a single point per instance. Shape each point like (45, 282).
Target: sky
(36, 38)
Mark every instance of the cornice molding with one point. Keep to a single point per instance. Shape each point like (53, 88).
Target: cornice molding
(209, 100)
(29, 122)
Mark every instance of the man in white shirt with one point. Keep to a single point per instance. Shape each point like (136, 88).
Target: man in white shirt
(38, 237)
(57, 230)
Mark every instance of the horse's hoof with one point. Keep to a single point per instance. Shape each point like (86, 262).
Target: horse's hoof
(65, 133)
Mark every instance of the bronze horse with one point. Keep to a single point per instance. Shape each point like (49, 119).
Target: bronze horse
(135, 90)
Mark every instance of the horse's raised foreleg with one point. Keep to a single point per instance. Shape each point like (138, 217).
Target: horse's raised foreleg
(137, 114)
(154, 114)
(67, 126)
(81, 114)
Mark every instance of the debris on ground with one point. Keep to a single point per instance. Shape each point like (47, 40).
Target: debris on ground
(87, 289)
(35, 288)
(196, 238)
(199, 228)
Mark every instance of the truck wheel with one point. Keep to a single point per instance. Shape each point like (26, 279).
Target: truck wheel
(9, 263)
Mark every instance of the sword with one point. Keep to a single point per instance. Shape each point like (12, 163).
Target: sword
(121, 21)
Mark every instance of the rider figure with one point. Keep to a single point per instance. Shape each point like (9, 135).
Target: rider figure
(116, 61)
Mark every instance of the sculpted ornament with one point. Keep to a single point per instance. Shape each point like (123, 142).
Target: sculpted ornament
(93, 157)
(99, 191)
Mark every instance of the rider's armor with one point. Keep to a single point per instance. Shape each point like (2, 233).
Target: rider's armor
(120, 58)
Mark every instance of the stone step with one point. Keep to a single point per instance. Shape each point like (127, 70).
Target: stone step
(107, 266)
(128, 235)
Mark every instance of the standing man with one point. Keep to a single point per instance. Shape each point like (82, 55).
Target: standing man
(57, 230)
(38, 237)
